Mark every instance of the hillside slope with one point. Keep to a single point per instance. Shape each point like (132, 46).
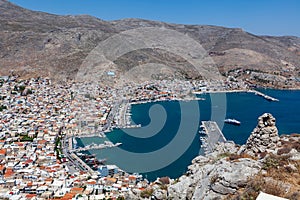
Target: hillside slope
(36, 43)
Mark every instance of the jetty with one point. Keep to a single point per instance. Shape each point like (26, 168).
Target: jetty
(107, 144)
(267, 97)
(86, 135)
(213, 136)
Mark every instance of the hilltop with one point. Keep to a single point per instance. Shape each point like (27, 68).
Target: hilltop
(40, 44)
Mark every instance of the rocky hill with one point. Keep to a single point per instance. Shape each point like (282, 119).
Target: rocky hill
(266, 163)
(36, 43)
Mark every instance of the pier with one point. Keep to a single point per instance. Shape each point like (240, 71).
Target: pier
(267, 97)
(106, 144)
(85, 135)
(213, 136)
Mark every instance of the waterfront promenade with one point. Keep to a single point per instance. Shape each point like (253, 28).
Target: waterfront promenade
(213, 136)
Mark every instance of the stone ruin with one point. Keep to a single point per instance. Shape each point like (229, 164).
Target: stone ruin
(263, 138)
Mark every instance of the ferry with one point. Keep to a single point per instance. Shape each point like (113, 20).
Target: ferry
(232, 121)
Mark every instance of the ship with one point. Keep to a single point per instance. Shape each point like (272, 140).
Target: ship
(232, 121)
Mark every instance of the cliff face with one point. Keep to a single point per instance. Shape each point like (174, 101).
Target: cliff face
(35, 43)
(214, 176)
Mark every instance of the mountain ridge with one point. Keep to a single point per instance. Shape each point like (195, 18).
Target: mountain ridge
(37, 43)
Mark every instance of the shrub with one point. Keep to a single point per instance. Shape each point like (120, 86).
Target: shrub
(214, 178)
(257, 184)
(2, 107)
(284, 150)
(146, 193)
(274, 161)
(165, 180)
(294, 196)
(237, 156)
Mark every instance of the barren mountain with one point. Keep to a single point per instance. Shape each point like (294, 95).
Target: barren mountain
(36, 43)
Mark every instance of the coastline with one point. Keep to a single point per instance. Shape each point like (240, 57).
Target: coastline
(178, 99)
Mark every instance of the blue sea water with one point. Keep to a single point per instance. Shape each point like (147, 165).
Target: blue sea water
(246, 107)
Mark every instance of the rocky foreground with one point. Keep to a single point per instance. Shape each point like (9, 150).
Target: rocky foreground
(267, 163)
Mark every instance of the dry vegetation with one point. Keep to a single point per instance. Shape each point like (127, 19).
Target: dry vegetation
(280, 181)
(280, 177)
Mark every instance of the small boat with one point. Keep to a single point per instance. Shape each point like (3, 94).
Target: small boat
(201, 132)
(232, 121)
(118, 144)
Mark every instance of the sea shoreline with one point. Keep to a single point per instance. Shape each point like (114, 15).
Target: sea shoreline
(128, 105)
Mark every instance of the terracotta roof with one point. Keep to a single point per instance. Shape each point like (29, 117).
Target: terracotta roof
(2, 167)
(113, 180)
(131, 177)
(20, 144)
(77, 190)
(28, 161)
(91, 182)
(29, 196)
(8, 172)
(2, 151)
(42, 141)
(49, 180)
(68, 196)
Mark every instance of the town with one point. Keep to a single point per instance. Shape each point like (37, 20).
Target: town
(40, 120)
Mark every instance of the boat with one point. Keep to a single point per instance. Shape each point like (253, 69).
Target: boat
(118, 144)
(232, 121)
(202, 132)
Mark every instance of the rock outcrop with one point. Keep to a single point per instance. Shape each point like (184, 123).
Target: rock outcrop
(214, 176)
(263, 138)
(229, 170)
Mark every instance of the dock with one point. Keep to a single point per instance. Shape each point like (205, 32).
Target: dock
(85, 135)
(213, 136)
(106, 144)
(267, 97)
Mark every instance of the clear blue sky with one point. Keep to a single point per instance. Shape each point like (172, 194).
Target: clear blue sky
(262, 17)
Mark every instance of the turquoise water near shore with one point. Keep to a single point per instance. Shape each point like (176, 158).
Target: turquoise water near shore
(246, 107)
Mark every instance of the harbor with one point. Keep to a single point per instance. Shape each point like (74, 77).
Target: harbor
(239, 106)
